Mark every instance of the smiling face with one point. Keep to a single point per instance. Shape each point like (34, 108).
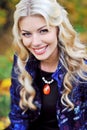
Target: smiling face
(37, 38)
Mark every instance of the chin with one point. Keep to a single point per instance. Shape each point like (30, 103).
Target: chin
(40, 58)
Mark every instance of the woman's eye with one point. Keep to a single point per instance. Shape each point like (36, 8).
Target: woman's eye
(44, 31)
(26, 34)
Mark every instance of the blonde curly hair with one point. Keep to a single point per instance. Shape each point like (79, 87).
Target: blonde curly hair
(72, 52)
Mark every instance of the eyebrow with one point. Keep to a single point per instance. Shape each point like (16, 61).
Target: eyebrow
(42, 27)
(37, 29)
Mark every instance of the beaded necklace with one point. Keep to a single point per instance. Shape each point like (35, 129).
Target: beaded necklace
(46, 87)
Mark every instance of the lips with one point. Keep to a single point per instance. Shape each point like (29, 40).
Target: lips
(40, 50)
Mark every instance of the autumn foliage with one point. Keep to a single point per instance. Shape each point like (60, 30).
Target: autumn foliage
(78, 16)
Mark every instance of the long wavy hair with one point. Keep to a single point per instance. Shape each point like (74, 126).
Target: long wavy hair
(72, 52)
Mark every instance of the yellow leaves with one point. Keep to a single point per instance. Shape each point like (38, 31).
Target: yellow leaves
(4, 86)
(74, 17)
(84, 2)
(12, 3)
(2, 20)
(6, 83)
(2, 17)
(4, 90)
(4, 122)
(83, 37)
(1, 125)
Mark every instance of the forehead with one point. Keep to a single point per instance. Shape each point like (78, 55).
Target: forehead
(35, 21)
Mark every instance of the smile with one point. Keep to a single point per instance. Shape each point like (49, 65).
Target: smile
(40, 51)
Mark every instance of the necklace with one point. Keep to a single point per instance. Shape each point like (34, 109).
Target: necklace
(46, 88)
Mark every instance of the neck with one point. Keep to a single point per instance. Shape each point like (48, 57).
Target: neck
(51, 64)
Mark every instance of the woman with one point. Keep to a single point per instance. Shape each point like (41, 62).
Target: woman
(49, 81)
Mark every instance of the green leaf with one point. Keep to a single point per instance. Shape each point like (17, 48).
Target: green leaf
(5, 67)
(4, 105)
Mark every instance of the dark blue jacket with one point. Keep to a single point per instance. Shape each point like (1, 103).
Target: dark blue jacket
(67, 120)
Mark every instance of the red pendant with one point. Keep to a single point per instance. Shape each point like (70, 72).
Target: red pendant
(46, 89)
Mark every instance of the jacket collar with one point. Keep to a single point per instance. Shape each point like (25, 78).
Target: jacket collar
(31, 66)
(58, 75)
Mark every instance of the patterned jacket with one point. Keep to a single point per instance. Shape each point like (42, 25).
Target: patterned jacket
(67, 120)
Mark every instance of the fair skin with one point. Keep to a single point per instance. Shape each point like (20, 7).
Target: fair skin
(40, 41)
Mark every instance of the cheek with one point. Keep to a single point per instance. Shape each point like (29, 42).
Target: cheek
(52, 39)
(52, 36)
(26, 42)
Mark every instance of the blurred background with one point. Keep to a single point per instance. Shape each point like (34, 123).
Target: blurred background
(77, 10)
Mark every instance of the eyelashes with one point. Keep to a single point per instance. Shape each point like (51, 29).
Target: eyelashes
(28, 34)
(44, 31)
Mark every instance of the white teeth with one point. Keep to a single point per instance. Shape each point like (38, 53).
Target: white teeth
(39, 50)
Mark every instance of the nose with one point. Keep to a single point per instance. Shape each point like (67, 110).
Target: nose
(36, 40)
